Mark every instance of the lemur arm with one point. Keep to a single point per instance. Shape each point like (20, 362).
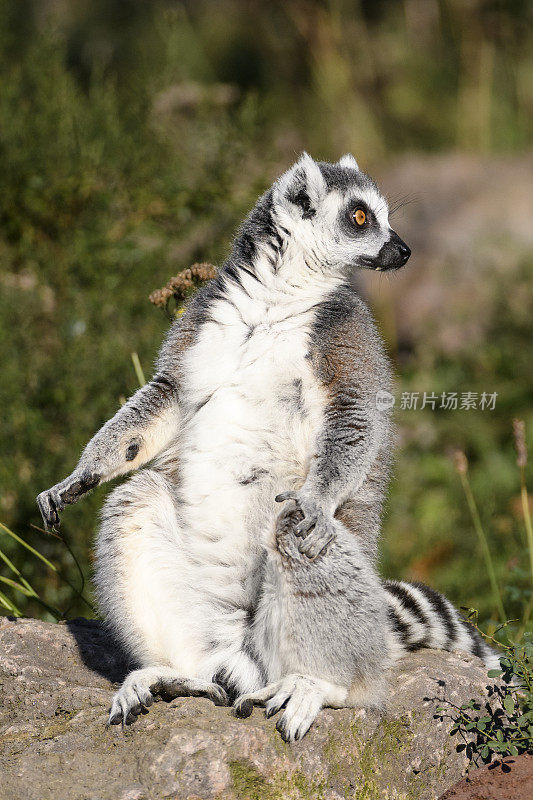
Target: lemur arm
(136, 434)
(351, 366)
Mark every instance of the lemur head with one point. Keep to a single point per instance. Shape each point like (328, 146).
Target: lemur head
(337, 216)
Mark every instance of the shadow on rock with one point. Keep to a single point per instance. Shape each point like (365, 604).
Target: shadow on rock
(99, 649)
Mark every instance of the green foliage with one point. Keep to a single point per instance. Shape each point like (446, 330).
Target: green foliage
(97, 209)
(429, 534)
(503, 724)
(133, 138)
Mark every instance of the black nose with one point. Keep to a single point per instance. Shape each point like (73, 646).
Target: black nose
(403, 252)
(394, 253)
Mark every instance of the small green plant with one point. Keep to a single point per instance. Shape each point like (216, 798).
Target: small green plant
(519, 428)
(525, 595)
(461, 465)
(503, 724)
(21, 586)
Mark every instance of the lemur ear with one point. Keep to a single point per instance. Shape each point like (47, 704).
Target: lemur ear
(301, 188)
(348, 161)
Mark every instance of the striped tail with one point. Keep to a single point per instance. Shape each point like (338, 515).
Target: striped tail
(421, 617)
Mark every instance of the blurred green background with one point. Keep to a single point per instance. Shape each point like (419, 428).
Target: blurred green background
(135, 135)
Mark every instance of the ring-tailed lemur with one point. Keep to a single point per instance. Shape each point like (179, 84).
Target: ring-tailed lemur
(266, 386)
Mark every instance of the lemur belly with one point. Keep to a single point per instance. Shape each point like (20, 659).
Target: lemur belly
(252, 409)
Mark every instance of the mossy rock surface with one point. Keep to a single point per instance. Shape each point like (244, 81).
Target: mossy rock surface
(56, 682)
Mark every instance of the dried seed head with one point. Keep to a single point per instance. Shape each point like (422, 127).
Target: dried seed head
(461, 462)
(519, 428)
(182, 285)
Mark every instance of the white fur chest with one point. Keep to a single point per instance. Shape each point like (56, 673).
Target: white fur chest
(250, 400)
(251, 410)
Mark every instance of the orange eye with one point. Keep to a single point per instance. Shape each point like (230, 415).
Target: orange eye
(359, 216)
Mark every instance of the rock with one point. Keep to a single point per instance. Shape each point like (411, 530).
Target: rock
(511, 779)
(56, 683)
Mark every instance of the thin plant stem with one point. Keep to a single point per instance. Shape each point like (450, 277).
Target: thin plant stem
(34, 596)
(484, 545)
(49, 564)
(138, 369)
(25, 587)
(519, 429)
(9, 605)
(527, 613)
(527, 518)
(529, 534)
(78, 592)
(28, 547)
(17, 586)
(17, 572)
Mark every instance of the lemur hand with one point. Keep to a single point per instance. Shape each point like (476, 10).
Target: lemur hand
(317, 528)
(53, 500)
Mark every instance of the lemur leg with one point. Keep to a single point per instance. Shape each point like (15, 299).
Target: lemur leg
(326, 625)
(137, 433)
(301, 696)
(154, 598)
(137, 691)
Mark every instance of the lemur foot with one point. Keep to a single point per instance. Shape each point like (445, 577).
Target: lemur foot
(136, 693)
(316, 526)
(302, 698)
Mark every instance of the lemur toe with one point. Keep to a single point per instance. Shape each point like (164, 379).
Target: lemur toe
(118, 715)
(294, 723)
(129, 703)
(146, 699)
(304, 526)
(243, 708)
(201, 688)
(114, 718)
(276, 703)
(219, 695)
(302, 729)
(283, 729)
(50, 504)
(315, 543)
(281, 498)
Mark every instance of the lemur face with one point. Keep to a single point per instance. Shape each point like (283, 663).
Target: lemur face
(338, 217)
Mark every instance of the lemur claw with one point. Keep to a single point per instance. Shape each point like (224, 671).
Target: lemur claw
(277, 702)
(218, 695)
(281, 498)
(282, 729)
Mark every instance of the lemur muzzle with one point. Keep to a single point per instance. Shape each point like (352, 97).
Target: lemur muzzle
(394, 253)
